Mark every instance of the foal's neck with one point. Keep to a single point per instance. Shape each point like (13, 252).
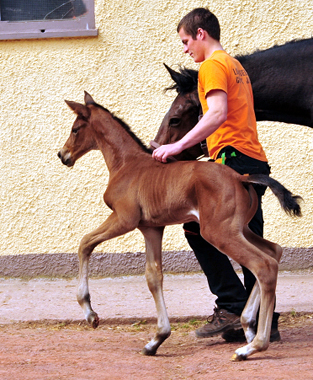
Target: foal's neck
(116, 143)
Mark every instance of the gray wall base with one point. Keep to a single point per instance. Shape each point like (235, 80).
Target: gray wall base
(65, 265)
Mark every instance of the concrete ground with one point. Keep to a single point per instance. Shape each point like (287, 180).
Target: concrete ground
(128, 298)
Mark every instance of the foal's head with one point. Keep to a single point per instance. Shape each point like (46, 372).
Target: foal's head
(93, 125)
(81, 139)
(184, 112)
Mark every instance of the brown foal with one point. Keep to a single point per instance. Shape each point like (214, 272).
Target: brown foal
(149, 195)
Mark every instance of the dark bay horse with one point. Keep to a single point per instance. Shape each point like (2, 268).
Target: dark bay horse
(282, 82)
(149, 195)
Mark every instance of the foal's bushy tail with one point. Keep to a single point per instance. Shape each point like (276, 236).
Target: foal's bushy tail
(288, 201)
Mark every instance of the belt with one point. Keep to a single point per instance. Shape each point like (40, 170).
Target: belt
(227, 152)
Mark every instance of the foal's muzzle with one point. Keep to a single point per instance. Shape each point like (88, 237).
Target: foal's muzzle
(65, 156)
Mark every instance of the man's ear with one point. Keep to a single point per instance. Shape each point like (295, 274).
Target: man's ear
(79, 109)
(201, 33)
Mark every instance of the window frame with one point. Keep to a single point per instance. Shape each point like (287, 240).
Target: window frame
(82, 26)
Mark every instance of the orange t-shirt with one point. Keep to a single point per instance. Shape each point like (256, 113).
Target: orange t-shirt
(223, 72)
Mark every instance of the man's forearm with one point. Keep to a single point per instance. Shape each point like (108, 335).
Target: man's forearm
(209, 123)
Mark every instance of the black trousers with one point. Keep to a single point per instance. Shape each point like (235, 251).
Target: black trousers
(223, 281)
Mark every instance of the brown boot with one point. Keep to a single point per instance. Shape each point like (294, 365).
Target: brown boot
(219, 322)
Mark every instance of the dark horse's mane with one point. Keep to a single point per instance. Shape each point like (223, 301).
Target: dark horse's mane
(126, 127)
(187, 81)
(259, 54)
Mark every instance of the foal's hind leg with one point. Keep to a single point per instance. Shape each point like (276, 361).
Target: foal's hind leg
(154, 276)
(111, 228)
(265, 270)
(249, 314)
(272, 249)
(261, 340)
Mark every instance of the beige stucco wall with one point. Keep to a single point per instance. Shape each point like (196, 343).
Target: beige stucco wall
(47, 208)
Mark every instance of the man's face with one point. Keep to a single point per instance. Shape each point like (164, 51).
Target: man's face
(193, 47)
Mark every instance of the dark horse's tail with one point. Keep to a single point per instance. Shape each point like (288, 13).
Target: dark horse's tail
(288, 201)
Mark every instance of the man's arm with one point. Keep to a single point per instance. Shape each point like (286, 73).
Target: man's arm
(210, 122)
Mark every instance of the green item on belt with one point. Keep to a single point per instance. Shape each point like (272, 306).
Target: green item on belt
(233, 154)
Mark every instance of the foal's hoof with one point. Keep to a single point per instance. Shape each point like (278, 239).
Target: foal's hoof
(93, 320)
(148, 352)
(238, 358)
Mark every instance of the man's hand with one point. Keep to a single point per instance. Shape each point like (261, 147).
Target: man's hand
(164, 151)
(210, 122)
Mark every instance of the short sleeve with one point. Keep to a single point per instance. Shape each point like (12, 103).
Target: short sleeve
(212, 76)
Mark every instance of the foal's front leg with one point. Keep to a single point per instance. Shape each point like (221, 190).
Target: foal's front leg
(83, 295)
(111, 228)
(154, 276)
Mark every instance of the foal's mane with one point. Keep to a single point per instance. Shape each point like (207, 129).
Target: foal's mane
(126, 127)
(186, 81)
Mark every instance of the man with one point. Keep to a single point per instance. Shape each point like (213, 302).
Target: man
(229, 127)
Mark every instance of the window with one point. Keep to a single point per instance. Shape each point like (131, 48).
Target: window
(46, 19)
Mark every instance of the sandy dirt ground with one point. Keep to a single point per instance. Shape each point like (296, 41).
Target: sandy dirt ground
(51, 350)
(43, 335)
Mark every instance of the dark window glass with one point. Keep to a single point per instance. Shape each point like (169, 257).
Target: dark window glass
(27, 10)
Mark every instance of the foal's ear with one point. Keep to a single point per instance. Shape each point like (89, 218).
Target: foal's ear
(79, 109)
(88, 99)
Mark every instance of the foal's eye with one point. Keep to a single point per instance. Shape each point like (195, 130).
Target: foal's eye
(75, 131)
(174, 121)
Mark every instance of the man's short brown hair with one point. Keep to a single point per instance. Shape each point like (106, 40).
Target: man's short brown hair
(200, 18)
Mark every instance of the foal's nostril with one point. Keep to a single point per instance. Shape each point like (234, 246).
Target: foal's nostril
(59, 154)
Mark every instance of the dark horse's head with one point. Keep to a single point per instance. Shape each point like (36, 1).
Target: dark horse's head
(184, 112)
